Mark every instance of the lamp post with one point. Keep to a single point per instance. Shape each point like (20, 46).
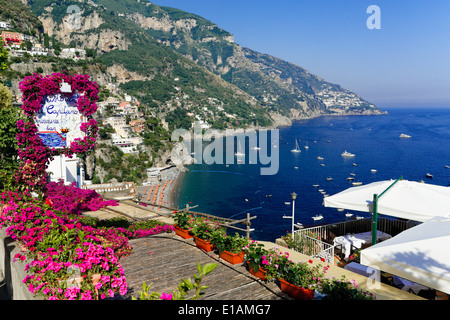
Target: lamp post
(293, 196)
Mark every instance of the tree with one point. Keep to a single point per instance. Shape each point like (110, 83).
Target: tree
(3, 58)
(8, 127)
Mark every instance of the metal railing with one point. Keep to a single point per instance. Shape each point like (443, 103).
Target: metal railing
(317, 241)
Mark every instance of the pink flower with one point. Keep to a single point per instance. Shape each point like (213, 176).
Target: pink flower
(166, 296)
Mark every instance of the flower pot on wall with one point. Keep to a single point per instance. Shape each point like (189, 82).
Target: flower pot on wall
(185, 234)
(296, 292)
(233, 258)
(203, 244)
(260, 273)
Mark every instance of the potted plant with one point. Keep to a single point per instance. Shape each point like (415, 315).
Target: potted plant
(231, 248)
(342, 289)
(203, 230)
(299, 280)
(254, 253)
(183, 227)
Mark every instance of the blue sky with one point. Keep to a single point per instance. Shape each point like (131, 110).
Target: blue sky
(406, 63)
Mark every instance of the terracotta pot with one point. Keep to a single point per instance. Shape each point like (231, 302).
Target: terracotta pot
(203, 244)
(261, 273)
(185, 234)
(296, 292)
(233, 258)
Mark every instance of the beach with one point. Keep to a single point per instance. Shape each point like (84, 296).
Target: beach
(163, 191)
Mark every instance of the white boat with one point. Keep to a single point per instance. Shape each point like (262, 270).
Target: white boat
(373, 170)
(295, 168)
(347, 154)
(357, 183)
(318, 217)
(329, 178)
(447, 167)
(239, 152)
(315, 185)
(350, 178)
(348, 214)
(287, 203)
(297, 148)
(298, 225)
(429, 175)
(256, 148)
(340, 209)
(403, 135)
(354, 164)
(352, 174)
(322, 164)
(359, 218)
(319, 158)
(320, 190)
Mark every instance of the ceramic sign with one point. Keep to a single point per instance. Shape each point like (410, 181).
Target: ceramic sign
(59, 120)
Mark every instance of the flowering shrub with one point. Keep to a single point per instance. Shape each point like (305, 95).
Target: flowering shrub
(34, 155)
(342, 289)
(73, 200)
(57, 242)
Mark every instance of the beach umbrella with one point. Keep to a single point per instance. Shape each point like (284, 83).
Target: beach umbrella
(419, 254)
(400, 198)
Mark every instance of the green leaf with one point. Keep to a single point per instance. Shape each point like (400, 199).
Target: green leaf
(207, 268)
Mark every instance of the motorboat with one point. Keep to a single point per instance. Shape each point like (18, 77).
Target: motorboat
(429, 175)
(287, 203)
(329, 178)
(348, 214)
(350, 178)
(317, 217)
(403, 135)
(315, 185)
(447, 167)
(373, 170)
(357, 183)
(347, 154)
(319, 158)
(297, 148)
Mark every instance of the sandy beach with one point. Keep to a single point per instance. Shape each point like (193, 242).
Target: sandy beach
(164, 192)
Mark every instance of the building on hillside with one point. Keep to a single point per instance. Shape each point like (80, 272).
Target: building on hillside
(73, 53)
(5, 25)
(137, 125)
(12, 39)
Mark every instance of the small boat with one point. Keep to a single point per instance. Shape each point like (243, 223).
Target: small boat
(315, 185)
(340, 209)
(350, 178)
(318, 217)
(359, 218)
(347, 154)
(295, 168)
(329, 178)
(287, 203)
(298, 225)
(319, 158)
(240, 152)
(348, 214)
(447, 167)
(246, 200)
(373, 170)
(352, 174)
(297, 148)
(256, 148)
(320, 190)
(354, 164)
(357, 183)
(429, 175)
(322, 164)
(403, 135)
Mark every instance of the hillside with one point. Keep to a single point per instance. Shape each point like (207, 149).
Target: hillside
(177, 66)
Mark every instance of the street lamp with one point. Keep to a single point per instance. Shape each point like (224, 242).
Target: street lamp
(293, 196)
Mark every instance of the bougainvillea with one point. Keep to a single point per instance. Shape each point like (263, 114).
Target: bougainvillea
(33, 153)
(56, 243)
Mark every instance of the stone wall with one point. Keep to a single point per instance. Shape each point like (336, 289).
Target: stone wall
(12, 273)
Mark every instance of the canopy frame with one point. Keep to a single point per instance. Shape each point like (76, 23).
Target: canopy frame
(376, 197)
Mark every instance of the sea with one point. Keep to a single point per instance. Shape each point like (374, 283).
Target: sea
(233, 190)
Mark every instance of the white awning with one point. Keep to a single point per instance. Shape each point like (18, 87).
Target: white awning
(406, 199)
(420, 254)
